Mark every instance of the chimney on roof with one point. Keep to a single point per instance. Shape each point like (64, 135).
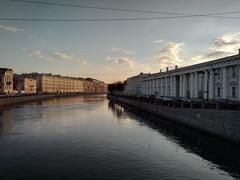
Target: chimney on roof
(167, 69)
(160, 70)
(238, 51)
(176, 66)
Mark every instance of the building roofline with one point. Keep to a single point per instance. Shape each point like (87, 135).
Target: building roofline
(220, 60)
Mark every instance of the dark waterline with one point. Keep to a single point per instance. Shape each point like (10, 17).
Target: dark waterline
(93, 138)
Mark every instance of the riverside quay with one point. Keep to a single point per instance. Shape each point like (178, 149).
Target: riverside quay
(212, 80)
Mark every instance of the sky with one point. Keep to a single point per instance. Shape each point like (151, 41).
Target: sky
(115, 50)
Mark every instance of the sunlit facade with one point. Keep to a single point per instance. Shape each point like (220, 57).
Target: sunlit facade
(6, 81)
(24, 85)
(218, 79)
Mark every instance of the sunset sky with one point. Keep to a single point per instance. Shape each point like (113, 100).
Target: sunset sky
(114, 50)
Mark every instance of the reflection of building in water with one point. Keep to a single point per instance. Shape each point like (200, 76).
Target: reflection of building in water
(116, 109)
(5, 123)
(65, 106)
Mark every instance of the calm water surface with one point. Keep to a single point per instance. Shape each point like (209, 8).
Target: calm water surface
(92, 138)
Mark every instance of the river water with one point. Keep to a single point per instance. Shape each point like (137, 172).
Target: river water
(93, 138)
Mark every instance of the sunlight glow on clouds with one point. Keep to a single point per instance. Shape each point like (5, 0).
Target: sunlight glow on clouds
(225, 45)
(123, 63)
(169, 55)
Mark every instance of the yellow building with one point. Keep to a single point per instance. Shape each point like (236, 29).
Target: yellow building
(24, 85)
(48, 83)
(58, 84)
(6, 81)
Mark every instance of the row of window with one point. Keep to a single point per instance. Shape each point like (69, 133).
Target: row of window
(233, 92)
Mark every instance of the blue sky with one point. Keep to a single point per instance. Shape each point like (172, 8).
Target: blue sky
(115, 50)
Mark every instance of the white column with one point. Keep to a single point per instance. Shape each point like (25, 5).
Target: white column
(205, 85)
(239, 82)
(180, 86)
(192, 85)
(146, 82)
(224, 83)
(152, 86)
(211, 85)
(166, 86)
(144, 87)
(174, 87)
(162, 87)
(171, 86)
(159, 86)
(196, 85)
(184, 86)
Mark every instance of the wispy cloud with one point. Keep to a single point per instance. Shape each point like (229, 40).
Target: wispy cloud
(37, 54)
(157, 41)
(122, 51)
(169, 55)
(56, 56)
(10, 28)
(62, 56)
(125, 62)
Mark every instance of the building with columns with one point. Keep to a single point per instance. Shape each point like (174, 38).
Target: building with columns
(133, 84)
(218, 79)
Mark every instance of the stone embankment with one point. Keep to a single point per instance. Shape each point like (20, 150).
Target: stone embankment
(8, 100)
(221, 123)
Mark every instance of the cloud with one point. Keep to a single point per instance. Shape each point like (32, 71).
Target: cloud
(125, 61)
(122, 51)
(169, 55)
(10, 28)
(56, 56)
(36, 53)
(157, 41)
(225, 45)
(229, 42)
(62, 56)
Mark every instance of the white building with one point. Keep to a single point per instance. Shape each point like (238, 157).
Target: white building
(218, 79)
(133, 84)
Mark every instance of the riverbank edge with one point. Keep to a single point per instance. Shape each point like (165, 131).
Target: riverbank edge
(22, 99)
(224, 124)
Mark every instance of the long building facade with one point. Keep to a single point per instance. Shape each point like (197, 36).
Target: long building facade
(48, 83)
(218, 79)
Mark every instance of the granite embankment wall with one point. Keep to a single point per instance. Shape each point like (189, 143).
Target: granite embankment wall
(20, 99)
(221, 123)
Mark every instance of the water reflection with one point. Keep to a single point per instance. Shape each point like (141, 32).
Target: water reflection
(5, 123)
(92, 138)
(225, 155)
(49, 109)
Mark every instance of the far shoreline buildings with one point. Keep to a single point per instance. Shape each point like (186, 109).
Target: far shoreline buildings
(212, 80)
(6, 81)
(32, 83)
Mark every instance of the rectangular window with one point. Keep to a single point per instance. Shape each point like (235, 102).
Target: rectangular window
(233, 91)
(234, 71)
(218, 91)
